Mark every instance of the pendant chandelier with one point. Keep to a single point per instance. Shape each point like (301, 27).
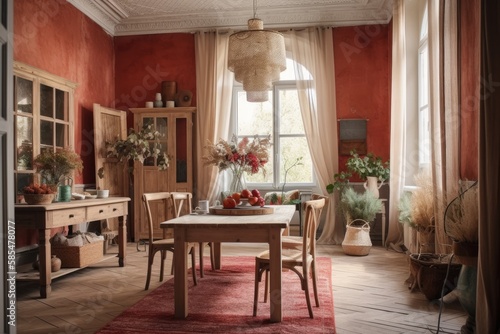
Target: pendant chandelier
(257, 57)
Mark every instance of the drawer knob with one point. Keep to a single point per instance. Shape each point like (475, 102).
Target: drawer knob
(114, 209)
(101, 211)
(71, 216)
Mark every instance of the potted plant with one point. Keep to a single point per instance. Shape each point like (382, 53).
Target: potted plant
(56, 168)
(369, 168)
(416, 209)
(359, 210)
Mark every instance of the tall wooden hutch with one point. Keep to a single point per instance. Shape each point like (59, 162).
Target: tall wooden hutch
(176, 127)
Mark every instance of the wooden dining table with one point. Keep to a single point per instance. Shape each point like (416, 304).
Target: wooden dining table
(217, 228)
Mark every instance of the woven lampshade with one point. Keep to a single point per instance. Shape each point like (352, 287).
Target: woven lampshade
(257, 57)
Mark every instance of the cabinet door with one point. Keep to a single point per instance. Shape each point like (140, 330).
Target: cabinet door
(181, 149)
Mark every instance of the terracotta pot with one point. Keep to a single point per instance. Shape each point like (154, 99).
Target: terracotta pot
(55, 263)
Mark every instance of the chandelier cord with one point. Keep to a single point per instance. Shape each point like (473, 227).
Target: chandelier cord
(254, 9)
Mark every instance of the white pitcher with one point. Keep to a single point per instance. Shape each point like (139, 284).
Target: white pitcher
(372, 185)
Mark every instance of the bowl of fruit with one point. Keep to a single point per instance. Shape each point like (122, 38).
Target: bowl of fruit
(39, 194)
(243, 199)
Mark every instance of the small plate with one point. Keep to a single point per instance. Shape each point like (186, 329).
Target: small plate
(200, 212)
(90, 196)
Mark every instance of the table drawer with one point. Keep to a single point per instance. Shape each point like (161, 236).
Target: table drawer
(105, 211)
(69, 216)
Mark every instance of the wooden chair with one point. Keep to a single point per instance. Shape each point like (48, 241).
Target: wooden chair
(302, 261)
(182, 204)
(161, 245)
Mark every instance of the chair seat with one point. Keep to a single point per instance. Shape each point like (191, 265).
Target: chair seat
(161, 242)
(287, 256)
(291, 242)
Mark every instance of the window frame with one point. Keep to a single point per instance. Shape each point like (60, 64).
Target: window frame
(275, 184)
(39, 77)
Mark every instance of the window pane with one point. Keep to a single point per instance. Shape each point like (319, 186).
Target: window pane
(24, 142)
(61, 130)
(60, 105)
(289, 113)
(23, 180)
(254, 118)
(46, 133)
(46, 101)
(24, 95)
(293, 148)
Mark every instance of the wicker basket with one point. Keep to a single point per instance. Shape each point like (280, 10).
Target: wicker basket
(79, 257)
(357, 238)
(429, 270)
(39, 198)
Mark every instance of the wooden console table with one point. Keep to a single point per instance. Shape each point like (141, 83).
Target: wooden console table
(45, 217)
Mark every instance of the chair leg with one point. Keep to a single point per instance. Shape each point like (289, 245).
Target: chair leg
(306, 290)
(193, 265)
(212, 255)
(315, 283)
(162, 266)
(202, 273)
(256, 288)
(150, 264)
(266, 286)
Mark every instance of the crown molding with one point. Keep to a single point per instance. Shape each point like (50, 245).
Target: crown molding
(120, 19)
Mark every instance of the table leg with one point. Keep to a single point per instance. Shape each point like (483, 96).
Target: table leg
(275, 274)
(217, 255)
(122, 240)
(44, 255)
(180, 273)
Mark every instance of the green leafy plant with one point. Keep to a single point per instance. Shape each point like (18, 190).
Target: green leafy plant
(52, 166)
(356, 205)
(137, 147)
(369, 165)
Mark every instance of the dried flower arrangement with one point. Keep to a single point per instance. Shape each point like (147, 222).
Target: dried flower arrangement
(417, 209)
(244, 156)
(462, 216)
(52, 166)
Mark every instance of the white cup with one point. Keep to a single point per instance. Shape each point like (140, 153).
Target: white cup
(203, 205)
(102, 193)
(149, 104)
(170, 104)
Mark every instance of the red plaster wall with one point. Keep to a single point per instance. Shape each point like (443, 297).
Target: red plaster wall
(54, 36)
(143, 62)
(362, 74)
(470, 19)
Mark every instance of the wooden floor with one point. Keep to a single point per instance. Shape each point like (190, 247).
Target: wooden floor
(369, 292)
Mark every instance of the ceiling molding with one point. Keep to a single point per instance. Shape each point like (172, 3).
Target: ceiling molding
(129, 17)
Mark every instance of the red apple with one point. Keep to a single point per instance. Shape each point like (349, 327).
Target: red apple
(236, 197)
(253, 200)
(228, 203)
(255, 193)
(262, 202)
(245, 193)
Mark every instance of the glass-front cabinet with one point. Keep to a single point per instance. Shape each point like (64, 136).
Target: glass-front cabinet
(43, 118)
(175, 126)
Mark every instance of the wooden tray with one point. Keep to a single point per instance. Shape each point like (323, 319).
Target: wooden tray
(242, 211)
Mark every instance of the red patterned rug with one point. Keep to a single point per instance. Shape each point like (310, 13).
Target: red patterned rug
(222, 302)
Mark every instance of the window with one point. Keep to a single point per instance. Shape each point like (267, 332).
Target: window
(280, 116)
(43, 118)
(424, 139)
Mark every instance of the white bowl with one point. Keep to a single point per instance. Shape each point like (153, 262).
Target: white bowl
(102, 193)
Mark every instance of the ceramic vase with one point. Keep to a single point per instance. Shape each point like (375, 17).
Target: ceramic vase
(55, 264)
(373, 186)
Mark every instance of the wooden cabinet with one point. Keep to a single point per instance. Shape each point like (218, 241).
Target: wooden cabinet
(176, 128)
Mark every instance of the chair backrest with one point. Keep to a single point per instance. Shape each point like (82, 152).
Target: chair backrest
(147, 200)
(181, 203)
(313, 208)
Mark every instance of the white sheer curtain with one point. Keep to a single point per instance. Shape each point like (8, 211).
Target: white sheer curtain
(398, 121)
(444, 111)
(214, 87)
(313, 48)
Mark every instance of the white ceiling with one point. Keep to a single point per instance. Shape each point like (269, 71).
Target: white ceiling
(135, 17)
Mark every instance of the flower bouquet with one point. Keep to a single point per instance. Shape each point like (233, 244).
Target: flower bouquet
(239, 157)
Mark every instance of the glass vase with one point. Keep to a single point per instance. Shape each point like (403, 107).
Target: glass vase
(238, 182)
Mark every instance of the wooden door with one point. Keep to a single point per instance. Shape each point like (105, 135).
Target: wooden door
(7, 242)
(110, 124)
